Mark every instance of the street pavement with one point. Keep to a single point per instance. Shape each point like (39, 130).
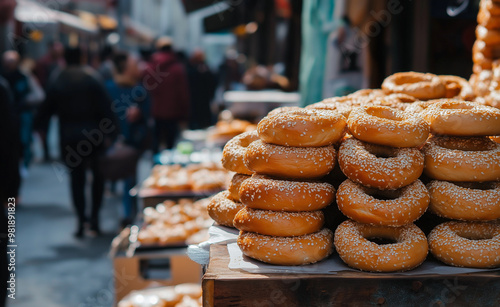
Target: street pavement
(53, 268)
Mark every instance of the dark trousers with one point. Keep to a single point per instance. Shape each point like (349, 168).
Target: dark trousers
(78, 183)
(165, 130)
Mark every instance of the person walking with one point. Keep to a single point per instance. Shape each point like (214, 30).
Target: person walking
(48, 65)
(87, 125)
(131, 103)
(166, 81)
(203, 84)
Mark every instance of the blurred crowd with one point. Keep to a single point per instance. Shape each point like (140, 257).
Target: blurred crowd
(108, 114)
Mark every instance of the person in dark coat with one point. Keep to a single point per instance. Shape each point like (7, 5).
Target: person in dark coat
(87, 124)
(202, 83)
(166, 81)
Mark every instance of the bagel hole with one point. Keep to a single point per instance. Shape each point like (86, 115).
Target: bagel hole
(484, 186)
(456, 106)
(384, 194)
(463, 144)
(384, 112)
(474, 236)
(381, 241)
(382, 151)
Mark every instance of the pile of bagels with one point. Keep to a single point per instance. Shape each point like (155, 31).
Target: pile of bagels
(486, 54)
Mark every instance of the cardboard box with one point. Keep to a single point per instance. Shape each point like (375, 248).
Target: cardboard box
(162, 267)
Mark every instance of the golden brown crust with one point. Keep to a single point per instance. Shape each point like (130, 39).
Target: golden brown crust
(380, 166)
(234, 152)
(222, 209)
(302, 128)
(387, 126)
(419, 85)
(474, 159)
(261, 192)
(466, 244)
(234, 186)
(290, 162)
(467, 202)
(354, 248)
(462, 118)
(300, 250)
(279, 223)
(384, 208)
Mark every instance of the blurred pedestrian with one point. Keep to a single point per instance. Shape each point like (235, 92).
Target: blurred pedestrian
(10, 179)
(106, 63)
(165, 79)
(26, 94)
(202, 85)
(48, 65)
(131, 104)
(77, 95)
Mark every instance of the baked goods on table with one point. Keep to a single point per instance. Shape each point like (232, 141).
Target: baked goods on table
(384, 140)
(182, 295)
(171, 223)
(201, 177)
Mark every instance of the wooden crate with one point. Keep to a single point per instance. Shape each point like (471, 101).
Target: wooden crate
(225, 287)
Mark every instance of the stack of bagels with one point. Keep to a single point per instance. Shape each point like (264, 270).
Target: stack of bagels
(382, 195)
(486, 54)
(282, 222)
(464, 164)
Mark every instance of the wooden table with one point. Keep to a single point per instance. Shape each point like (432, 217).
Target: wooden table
(225, 287)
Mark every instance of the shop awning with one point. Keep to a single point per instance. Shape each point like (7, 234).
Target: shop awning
(37, 14)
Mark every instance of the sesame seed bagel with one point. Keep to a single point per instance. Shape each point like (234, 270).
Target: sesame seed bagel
(289, 162)
(419, 85)
(279, 223)
(302, 128)
(466, 244)
(380, 166)
(299, 250)
(357, 251)
(457, 87)
(387, 126)
(262, 192)
(222, 209)
(474, 159)
(234, 152)
(383, 207)
(234, 186)
(465, 201)
(462, 118)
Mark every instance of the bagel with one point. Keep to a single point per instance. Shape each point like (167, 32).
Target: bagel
(462, 118)
(289, 162)
(383, 207)
(409, 250)
(279, 223)
(419, 85)
(234, 186)
(234, 152)
(466, 244)
(222, 209)
(457, 87)
(465, 201)
(474, 159)
(299, 250)
(262, 192)
(380, 166)
(302, 128)
(386, 126)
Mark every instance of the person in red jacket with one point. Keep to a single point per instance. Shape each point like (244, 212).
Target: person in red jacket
(165, 79)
